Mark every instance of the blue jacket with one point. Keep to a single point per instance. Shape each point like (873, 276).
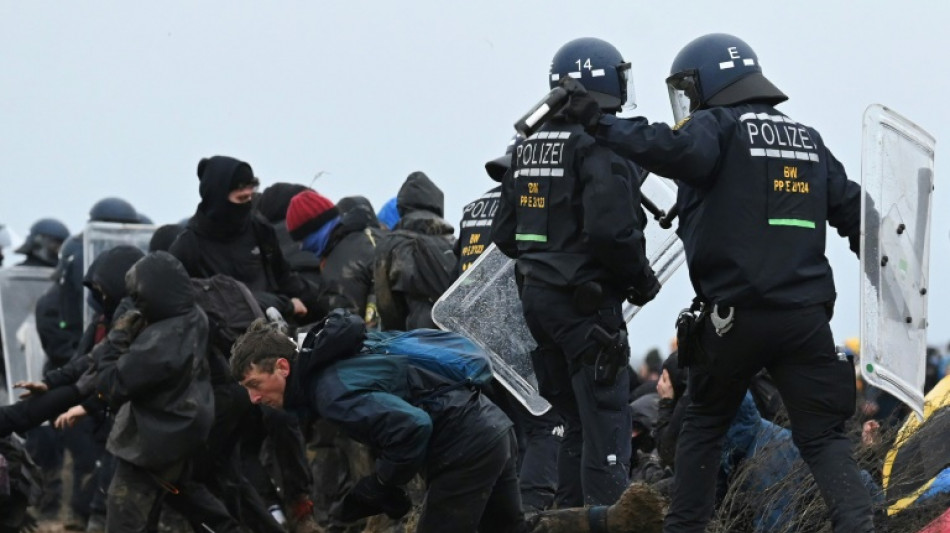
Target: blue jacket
(389, 405)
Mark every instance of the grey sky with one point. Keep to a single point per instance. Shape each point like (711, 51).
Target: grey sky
(122, 98)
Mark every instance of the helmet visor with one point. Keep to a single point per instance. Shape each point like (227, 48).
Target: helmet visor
(627, 88)
(683, 89)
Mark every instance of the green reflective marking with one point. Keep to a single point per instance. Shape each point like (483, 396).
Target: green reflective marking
(531, 237)
(791, 222)
(870, 368)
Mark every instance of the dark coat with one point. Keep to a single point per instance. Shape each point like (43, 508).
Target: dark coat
(225, 238)
(403, 296)
(159, 383)
(377, 400)
(348, 259)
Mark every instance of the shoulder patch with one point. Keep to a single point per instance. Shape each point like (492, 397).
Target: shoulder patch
(681, 123)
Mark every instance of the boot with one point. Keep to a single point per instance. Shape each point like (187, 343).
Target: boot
(639, 510)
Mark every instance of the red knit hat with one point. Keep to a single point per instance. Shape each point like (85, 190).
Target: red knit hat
(308, 212)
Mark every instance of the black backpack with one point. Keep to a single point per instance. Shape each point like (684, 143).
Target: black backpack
(230, 308)
(433, 260)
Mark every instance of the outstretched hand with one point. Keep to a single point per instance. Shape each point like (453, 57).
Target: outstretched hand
(32, 387)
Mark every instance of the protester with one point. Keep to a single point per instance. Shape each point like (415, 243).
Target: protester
(415, 420)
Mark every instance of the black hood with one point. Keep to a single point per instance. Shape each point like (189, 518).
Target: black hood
(216, 215)
(275, 199)
(361, 205)
(108, 272)
(160, 287)
(418, 193)
(340, 335)
(163, 237)
(356, 214)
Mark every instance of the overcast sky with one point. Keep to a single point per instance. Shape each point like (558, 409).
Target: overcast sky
(123, 98)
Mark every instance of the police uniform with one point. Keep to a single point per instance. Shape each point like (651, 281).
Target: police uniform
(570, 215)
(756, 189)
(475, 228)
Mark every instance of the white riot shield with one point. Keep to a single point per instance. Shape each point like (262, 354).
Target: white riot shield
(23, 356)
(897, 180)
(483, 304)
(101, 236)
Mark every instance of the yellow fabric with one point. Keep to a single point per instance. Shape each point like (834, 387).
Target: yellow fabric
(938, 397)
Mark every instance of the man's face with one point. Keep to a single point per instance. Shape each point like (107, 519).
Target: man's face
(267, 387)
(242, 195)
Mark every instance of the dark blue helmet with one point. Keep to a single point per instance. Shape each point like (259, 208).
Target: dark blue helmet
(45, 238)
(718, 70)
(497, 167)
(601, 70)
(113, 210)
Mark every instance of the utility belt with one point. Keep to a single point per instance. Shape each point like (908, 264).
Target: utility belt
(611, 352)
(690, 325)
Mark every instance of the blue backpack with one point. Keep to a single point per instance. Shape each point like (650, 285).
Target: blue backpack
(445, 353)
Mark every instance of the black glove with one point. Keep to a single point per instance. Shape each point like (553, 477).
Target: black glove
(645, 292)
(582, 109)
(371, 497)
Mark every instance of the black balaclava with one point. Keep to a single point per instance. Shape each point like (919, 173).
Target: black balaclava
(218, 217)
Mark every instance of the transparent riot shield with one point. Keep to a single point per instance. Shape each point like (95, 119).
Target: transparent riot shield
(23, 356)
(483, 304)
(897, 181)
(101, 236)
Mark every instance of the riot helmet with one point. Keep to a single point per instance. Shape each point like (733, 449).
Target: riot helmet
(45, 238)
(717, 70)
(113, 210)
(601, 70)
(497, 167)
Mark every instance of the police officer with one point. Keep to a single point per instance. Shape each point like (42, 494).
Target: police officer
(41, 247)
(756, 189)
(570, 214)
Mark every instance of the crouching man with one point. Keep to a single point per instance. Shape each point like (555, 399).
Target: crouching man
(153, 372)
(414, 421)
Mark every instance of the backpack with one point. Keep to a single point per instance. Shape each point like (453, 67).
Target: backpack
(229, 306)
(444, 353)
(433, 263)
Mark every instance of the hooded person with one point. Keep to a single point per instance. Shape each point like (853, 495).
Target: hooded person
(70, 384)
(388, 215)
(343, 240)
(225, 237)
(153, 372)
(415, 263)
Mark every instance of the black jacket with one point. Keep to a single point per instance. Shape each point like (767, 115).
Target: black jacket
(570, 212)
(756, 190)
(158, 382)
(225, 238)
(348, 259)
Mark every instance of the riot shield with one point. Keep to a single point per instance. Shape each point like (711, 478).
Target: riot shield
(101, 236)
(897, 181)
(483, 304)
(23, 356)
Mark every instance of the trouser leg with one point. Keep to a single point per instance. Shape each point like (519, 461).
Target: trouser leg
(456, 498)
(819, 392)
